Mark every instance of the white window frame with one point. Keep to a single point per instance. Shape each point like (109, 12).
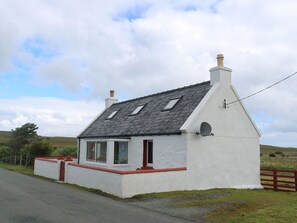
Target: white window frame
(111, 115)
(171, 104)
(137, 110)
(96, 143)
(109, 152)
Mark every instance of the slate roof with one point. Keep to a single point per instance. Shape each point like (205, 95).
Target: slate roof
(151, 120)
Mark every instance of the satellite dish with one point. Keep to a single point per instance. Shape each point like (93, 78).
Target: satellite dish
(205, 129)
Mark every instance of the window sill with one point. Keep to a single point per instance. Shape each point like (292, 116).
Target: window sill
(95, 163)
(119, 165)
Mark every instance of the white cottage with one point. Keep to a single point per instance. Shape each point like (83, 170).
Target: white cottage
(155, 144)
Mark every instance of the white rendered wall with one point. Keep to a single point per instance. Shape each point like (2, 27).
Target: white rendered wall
(168, 152)
(47, 169)
(107, 182)
(142, 183)
(230, 158)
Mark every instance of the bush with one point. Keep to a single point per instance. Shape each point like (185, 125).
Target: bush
(65, 151)
(4, 151)
(272, 155)
(278, 152)
(40, 147)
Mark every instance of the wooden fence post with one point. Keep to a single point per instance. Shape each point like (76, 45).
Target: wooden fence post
(295, 173)
(274, 180)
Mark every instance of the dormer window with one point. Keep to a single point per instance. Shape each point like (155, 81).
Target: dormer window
(171, 104)
(137, 110)
(112, 114)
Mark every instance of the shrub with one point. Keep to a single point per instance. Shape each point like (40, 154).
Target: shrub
(278, 152)
(65, 151)
(272, 155)
(4, 151)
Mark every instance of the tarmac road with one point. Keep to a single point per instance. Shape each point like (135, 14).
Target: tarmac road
(26, 199)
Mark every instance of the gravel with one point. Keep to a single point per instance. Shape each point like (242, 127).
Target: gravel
(169, 206)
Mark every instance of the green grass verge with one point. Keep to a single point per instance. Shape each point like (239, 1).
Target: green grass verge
(232, 205)
(17, 168)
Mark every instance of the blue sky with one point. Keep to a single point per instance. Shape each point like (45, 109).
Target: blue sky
(58, 60)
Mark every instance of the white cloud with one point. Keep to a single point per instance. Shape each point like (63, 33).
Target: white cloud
(55, 117)
(163, 45)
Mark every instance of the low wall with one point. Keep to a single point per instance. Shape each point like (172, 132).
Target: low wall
(126, 184)
(153, 182)
(47, 168)
(109, 182)
(120, 183)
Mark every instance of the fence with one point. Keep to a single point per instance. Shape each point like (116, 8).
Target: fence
(22, 160)
(279, 180)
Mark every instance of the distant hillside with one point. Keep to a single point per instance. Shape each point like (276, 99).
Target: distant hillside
(269, 148)
(71, 141)
(4, 136)
(56, 141)
(63, 141)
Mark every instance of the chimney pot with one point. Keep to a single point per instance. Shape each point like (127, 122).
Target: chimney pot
(220, 60)
(220, 74)
(111, 93)
(111, 99)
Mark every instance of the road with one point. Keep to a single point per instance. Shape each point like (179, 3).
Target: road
(26, 199)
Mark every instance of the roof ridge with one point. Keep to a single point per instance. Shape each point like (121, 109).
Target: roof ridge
(163, 92)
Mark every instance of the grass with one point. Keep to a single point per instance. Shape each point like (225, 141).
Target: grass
(63, 141)
(17, 168)
(4, 136)
(283, 158)
(231, 205)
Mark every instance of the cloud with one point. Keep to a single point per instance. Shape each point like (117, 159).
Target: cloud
(55, 117)
(141, 48)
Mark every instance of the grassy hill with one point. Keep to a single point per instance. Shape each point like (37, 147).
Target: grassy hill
(71, 141)
(4, 136)
(56, 141)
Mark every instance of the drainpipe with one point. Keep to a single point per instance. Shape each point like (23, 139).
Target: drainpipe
(78, 151)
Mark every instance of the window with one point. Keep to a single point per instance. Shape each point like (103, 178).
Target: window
(137, 110)
(112, 114)
(101, 151)
(150, 159)
(96, 151)
(120, 152)
(171, 104)
(91, 151)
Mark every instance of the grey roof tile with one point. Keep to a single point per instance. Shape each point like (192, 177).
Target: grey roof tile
(151, 120)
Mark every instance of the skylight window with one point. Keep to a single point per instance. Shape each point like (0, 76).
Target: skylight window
(137, 110)
(171, 104)
(112, 115)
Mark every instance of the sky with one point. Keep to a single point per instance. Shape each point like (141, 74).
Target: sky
(60, 58)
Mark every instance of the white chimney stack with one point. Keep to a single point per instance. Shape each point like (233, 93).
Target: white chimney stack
(220, 74)
(111, 99)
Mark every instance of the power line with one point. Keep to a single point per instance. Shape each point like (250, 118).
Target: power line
(263, 89)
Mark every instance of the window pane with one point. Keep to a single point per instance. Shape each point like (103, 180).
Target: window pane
(101, 151)
(137, 110)
(120, 152)
(150, 152)
(171, 104)
(91, 151)
(112, 114)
